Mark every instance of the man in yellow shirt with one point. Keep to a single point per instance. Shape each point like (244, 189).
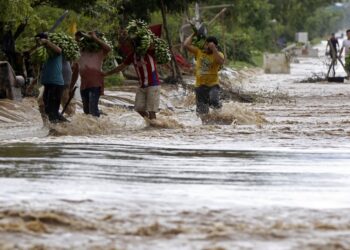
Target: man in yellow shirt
(208, 63)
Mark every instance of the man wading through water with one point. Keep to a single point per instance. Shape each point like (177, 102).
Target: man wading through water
(52, 79)
(208, 63)
(90, 68)
(148, 95)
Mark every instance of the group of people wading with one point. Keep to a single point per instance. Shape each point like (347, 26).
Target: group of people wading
(59, 77)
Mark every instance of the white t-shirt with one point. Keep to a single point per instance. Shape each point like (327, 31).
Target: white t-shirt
(346, 46)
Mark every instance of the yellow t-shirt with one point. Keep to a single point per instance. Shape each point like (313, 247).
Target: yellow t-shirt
(206, 69)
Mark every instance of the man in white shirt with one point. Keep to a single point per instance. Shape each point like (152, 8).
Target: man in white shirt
(346, 45)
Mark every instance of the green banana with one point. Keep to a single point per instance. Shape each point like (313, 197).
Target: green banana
(143, 38)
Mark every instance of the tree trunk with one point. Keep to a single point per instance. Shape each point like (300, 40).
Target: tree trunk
(175, 68)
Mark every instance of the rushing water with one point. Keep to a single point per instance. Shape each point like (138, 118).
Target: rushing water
(276, 176)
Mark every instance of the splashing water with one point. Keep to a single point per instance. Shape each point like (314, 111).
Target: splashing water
(235, 113)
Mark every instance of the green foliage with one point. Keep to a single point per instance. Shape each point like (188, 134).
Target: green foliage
(13, 11)
(323, 22)
(76, 5)
(292, 14)
(141, 9)
(248, 26)
(240, 47)
(257, 61)
(102, 16)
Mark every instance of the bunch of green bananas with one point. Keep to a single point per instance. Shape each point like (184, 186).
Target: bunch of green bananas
(143, 38)
(69, 46)
(162, 52)
(39, 55)
(89, 45)
(138, 31)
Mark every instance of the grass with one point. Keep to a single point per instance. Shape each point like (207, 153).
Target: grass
(114, 80)
(316, 41)
(257, 61)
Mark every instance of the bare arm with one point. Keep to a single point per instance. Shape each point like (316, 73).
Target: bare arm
(104, 45)
(75, 75)
(117, 69)
(217, 56)
(188, 44)
(341, 51)
(51, 45)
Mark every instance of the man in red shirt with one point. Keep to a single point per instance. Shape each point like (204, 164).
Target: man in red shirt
(148, 95)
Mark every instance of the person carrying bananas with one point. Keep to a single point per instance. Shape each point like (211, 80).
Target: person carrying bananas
(89, 67)
(52, 79)
(67, 77)
(148, 95)
(209, 60)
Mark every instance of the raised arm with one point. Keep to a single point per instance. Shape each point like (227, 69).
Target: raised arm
(51, 45)
(104, 45)
(188, 44)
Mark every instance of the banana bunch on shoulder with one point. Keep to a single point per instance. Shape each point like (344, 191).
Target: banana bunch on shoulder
(143, 38)
(138, 31)
(69, 46)
(86, 43)
(162, 52)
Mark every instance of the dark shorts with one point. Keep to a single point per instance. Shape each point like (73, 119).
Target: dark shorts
(207, 97)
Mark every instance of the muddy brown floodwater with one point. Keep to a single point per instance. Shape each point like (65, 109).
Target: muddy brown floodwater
(269, 175)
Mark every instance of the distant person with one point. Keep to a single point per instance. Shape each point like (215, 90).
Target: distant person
(333, 45)
(148, 95)
(346, 48)
(89, 67)
(208, 63)
(346, 45)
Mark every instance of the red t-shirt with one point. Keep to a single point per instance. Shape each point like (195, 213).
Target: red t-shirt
(145, 67)
(90, 68)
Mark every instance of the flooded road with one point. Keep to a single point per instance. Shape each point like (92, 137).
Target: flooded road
(277, 176)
